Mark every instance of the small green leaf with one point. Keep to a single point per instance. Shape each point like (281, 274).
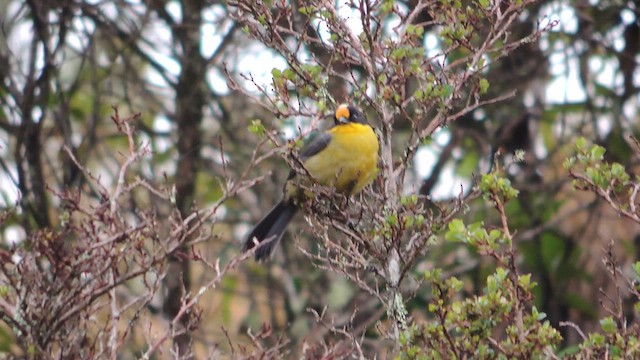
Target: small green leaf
(617, 170)
(289, 74)
(636, 268)
(525, 280)
(597, 152)
(399, 53)
(484, 85)
(569, 162)
(387, 6)
(257, 127)
(608, 325)
(457, 225)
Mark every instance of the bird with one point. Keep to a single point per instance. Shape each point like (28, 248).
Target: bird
(344, 158)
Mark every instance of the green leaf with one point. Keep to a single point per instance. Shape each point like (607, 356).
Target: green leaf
(289, 74)
(569, 163)
(399, 53)
(608, 325)
(501, 274)
(617, 170)
(387, 6)
(306, 10)
(525, 280)
(597, 152)
(484, 85)
(456, 225)
(636, 268)
(256, 127)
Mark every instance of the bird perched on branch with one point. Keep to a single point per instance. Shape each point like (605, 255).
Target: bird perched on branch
(345, 158)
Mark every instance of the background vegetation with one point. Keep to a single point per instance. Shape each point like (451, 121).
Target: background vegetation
(140, 140)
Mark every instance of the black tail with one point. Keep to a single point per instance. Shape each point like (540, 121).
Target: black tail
(267, 233)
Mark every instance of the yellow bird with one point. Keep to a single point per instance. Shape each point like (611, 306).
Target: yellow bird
(345, 158)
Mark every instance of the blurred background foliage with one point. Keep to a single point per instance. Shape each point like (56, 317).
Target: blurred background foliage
(193, 70)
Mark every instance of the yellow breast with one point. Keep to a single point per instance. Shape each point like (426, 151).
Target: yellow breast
(350, 160)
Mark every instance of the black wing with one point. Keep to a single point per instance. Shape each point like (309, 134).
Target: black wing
(316, 145)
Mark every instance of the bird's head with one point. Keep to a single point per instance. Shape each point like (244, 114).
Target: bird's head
(346, 113)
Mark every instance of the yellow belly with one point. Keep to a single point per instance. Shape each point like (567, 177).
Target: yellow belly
(350, 160)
